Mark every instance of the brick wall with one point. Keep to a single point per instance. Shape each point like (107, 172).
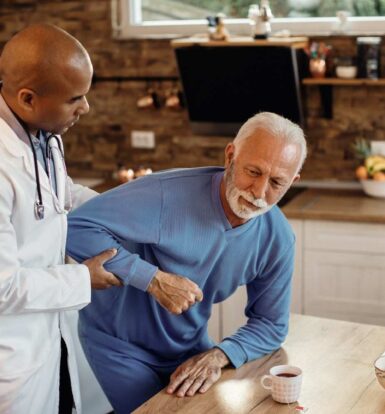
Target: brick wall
(122, 70)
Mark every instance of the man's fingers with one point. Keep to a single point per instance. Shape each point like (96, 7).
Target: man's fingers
(174, 384)
(199, 295)
(170, 306)
(189, 289)
(114, 281)
(196, 291)
(184, 387)
(206, 385)
(175, 293)
(106, 255)
(196, 385)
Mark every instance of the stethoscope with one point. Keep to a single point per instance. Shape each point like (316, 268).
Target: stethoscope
(54, 155)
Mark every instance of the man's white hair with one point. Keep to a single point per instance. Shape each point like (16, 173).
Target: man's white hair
(279, 127)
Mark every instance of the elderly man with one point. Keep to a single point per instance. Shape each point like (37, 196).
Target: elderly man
(45, 75)
(218, 228)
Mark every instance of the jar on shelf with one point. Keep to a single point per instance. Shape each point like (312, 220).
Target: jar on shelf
(368, 57)
(346, 67)
(317, 67)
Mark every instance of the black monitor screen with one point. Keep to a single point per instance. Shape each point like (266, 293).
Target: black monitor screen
(224, 86)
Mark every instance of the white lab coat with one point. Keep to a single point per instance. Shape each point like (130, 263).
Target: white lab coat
(39, 295)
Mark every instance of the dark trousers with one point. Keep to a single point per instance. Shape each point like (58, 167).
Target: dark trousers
(65, 392)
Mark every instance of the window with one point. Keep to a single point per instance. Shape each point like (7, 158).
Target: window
(151, 18)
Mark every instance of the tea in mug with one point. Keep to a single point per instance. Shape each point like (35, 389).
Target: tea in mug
(286, 375)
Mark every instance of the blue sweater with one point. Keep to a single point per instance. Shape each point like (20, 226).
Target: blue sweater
(174, 221)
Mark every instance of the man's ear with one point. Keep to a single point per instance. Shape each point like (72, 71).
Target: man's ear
(229, 154)
(296, 178)
(26, 99)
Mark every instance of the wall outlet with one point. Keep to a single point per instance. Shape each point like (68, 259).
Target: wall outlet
(143, 139)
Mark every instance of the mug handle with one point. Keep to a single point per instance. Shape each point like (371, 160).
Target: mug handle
(267, 377)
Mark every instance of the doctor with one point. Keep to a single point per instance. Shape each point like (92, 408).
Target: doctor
(45, 75)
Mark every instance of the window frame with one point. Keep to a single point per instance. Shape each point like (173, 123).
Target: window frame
(127, 23)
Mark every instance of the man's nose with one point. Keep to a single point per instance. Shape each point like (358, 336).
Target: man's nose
(83, 107)
(259, 187)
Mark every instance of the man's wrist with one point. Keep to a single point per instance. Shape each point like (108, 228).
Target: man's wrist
(221, 357)
(154, 282)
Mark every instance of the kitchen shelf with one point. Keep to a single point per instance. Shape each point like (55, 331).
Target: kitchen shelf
(298, 42)
(326, 89)
(344, 82)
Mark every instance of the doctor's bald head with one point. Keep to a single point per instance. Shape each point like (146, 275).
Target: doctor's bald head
(42, 69)
(36, 56)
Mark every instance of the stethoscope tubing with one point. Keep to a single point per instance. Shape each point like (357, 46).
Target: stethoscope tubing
(39, 205)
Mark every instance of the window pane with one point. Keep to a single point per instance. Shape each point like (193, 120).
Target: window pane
(200, 9)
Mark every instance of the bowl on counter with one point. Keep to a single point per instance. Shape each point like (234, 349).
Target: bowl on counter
(374, 188)
(379, 368)
(346, 72)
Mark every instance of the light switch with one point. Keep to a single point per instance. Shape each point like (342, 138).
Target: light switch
(143, 139)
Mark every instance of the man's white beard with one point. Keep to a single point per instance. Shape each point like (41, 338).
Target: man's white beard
(241, 210)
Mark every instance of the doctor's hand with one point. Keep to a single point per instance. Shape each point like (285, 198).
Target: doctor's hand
(173, 292)
(198, 373)
(100, 278)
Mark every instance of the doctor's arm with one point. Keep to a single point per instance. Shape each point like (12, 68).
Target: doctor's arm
(36, 288)
(79, 193)
(129, 213)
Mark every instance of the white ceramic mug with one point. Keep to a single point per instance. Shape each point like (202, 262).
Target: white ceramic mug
(379, 366)
(284, 382)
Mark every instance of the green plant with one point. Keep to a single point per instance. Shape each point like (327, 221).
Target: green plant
(361, 148)
(381, 7)
(330, 7)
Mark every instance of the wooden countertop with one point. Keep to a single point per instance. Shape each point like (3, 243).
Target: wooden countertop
(338, 375)
(339, 205)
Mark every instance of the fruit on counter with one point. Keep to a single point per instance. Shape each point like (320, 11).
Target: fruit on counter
(374, 167)
(379, 176)
(375, 163)
(361, 172)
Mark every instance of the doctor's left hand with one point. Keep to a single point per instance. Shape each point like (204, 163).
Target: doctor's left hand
(198, 373)
(100, 277)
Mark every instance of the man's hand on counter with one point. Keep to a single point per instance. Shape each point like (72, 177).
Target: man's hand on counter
(175, 293)
(198, 373)
(100, 278)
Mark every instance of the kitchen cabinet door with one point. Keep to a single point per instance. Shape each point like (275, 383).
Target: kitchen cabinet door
(297, 281)
(343, 285)
(344, 236)
(214, 325)
(228, 316)
(233, 312)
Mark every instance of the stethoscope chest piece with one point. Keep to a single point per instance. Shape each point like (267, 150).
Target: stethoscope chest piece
(39, 211)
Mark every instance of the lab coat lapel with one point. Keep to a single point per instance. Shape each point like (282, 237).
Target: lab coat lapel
(17, 148)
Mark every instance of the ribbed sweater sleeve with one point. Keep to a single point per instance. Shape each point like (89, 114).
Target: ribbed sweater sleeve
(130, 212)
(267, 310)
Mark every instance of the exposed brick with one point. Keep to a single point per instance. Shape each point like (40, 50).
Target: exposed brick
(102, 138)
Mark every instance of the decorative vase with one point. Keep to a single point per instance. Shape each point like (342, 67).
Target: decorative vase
(317, 67)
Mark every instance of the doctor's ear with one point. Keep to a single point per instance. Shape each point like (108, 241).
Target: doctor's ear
(26, 99)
